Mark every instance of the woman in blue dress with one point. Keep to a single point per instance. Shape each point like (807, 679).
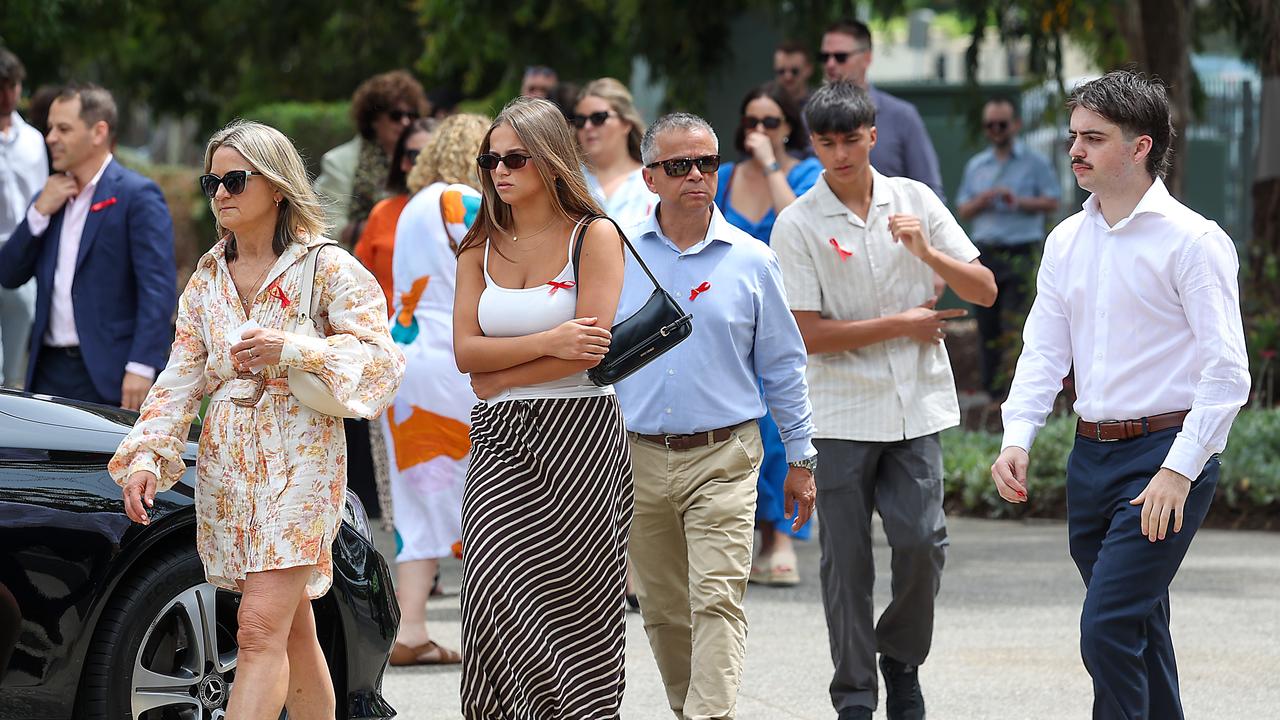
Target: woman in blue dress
(771, 140)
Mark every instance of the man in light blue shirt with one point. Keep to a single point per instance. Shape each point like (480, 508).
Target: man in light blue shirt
(1006, 193)
(692, 414)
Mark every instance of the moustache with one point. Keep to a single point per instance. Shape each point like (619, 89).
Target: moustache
(1082, 164)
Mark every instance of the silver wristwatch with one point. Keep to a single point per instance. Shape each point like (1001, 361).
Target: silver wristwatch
(810, 464)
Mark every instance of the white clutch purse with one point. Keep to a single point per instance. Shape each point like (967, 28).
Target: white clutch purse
(307, 387)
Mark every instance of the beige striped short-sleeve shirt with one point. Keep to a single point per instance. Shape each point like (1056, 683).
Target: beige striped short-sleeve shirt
(847, 269)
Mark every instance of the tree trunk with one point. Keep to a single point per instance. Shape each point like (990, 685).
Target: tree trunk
(1262, 281)
(1157, 34)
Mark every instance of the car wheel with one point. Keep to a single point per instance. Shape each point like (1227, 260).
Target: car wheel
(165, 648)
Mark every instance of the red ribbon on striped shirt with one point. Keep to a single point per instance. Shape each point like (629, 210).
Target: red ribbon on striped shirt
(844, 254)
(694, 293)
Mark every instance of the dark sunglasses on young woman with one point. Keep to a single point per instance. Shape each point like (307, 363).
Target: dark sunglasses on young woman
(679, 167)
(770, 123)
(595, 118)
(234, 180)
(513, 161)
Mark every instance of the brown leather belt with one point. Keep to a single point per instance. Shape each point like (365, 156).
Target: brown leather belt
(1112, 430)
(690, 441)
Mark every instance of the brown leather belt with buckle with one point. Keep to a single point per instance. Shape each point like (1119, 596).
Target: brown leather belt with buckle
(1112, 430)
(690, 441)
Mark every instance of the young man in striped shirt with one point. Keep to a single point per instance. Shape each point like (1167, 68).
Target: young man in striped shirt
(858, 253)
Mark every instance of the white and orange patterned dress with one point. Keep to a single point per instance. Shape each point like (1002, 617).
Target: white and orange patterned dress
(270, 477)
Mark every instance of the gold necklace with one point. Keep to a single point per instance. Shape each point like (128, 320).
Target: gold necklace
(516, 239)
(244, 299)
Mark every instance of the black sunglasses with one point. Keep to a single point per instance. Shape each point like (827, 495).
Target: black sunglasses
(513, 161)
(234, 180)
(997, 125)
(770, 123)
(400, 115)
(840, 57)
(595, 118)
(679, 167)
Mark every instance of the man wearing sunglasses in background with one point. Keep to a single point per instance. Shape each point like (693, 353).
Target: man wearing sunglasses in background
(695, 444)
(98, 239)
(903, 147)
(353, 176)
(1006, 193)
(539, 81)
(792, 69)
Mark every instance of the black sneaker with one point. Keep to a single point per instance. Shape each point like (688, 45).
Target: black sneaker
(855, 713)
(903, 700)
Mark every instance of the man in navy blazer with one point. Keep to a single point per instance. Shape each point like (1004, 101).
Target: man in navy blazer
(99, 241)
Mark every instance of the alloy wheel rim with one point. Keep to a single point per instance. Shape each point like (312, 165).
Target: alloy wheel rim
(186, 661)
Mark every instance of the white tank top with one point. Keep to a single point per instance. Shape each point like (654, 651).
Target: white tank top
(507, 312)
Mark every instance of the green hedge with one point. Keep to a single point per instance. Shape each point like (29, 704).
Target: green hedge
(314, 127)
(1249, 486)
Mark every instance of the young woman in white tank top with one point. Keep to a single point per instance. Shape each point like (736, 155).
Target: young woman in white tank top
(547, 500)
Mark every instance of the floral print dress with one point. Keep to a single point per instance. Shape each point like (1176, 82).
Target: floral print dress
(271, 477)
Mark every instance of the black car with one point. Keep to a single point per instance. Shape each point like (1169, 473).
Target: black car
(102, 618)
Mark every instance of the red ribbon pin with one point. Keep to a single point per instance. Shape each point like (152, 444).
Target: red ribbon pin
(694, 293)
(102, 205)
(844, 254)
(566, 285)
(275, 292)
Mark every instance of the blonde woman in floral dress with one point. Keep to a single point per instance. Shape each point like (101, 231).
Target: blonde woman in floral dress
(271, 471)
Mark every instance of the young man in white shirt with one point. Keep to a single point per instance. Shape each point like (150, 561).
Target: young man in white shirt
(24, 168)
(859, 252)
(1140, 293)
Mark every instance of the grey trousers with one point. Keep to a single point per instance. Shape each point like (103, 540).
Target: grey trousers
(903, 481)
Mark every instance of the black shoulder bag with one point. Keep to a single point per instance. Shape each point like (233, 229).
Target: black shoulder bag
(654, 329)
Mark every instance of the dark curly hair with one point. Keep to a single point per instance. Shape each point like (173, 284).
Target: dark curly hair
(797, 141)
(383, 93)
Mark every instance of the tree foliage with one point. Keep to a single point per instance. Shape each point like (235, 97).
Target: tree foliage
(207, 59)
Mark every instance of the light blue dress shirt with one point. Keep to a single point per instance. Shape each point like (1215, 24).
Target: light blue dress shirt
(742, 329)
(1028, 174)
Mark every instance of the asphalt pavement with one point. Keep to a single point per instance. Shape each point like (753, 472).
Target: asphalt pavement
(1005, 643)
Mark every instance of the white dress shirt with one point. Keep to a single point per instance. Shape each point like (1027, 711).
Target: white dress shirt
(23, 171)
(845, 268)
(1149, 313)
(62, 318)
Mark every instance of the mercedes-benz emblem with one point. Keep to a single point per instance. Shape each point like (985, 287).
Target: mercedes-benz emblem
(213, 692)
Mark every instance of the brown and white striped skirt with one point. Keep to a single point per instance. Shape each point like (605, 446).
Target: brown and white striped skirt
(546, 512)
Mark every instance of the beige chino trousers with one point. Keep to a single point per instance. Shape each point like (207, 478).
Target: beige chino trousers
(691, 540)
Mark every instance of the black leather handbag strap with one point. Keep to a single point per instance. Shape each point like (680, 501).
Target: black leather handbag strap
(582, 235)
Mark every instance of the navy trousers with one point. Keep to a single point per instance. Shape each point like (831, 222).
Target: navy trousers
(62, 372)
(1124, 626)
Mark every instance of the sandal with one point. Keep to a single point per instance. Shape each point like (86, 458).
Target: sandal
(782, 570)
(428, 653)
(761, 571)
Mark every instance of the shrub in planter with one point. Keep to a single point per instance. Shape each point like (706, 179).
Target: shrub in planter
(1248, 487)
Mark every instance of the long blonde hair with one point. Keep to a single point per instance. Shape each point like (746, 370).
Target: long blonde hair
(619, 98)
(269, 152)
(450, 154)
(542, 131)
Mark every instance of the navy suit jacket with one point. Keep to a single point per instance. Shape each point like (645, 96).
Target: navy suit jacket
(124, 290)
